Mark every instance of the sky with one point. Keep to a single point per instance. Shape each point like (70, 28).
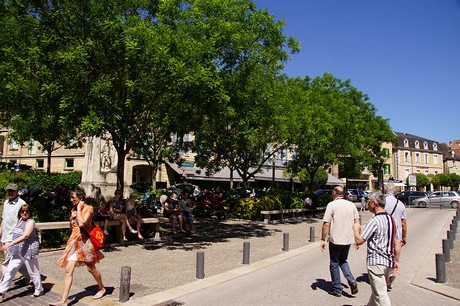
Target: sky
(404, 54)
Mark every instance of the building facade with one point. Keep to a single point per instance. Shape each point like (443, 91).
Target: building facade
(413, 154)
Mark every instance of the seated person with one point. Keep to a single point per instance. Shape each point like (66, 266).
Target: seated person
(130, 209)
(103, 214)
(186, 206)
(116, 211)
(171, 210)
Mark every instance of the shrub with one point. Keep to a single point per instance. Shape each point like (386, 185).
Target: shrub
(250, 208)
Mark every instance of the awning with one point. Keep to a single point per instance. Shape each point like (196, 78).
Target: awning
(333, 181)
(191, 172)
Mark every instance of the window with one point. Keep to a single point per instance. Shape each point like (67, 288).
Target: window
(406, 157)
(386, 153)
(406, 143)
(32, 147)
(435, 146)
(387, 169)
(14, 145)
(69, 163)
(425, 145)
(417, 144)
(426, 158)
(417, 158)
(39, 163)
(435, 159)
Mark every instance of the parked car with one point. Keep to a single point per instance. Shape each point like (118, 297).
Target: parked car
(350, 196)
(321, 197)
(358, 193)
(408, 196)
(445, 198)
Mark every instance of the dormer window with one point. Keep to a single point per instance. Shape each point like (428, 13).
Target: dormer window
(406, 143)
(425, 145)
(435, 146)
(417, 144)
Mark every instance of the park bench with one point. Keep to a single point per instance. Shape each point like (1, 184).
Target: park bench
(155, 222)
(294, 211)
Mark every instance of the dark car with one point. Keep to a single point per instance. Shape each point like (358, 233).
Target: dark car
(408, 196)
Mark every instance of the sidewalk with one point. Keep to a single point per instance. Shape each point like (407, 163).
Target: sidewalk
(161, 272)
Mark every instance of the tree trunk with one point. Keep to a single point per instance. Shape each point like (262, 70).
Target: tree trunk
(48, 157)
(121, 152)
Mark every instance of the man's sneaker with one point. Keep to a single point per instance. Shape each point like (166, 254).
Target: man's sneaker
(336, 294)
(354, 288)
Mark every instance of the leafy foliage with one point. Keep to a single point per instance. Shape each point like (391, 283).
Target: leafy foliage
(250, 208)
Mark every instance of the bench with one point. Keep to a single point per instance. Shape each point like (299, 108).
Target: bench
(155, 222)
(268, 213)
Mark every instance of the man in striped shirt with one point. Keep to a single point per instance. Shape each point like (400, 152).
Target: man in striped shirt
(380, 234)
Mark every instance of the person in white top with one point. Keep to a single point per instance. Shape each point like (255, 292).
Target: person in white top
(10, 219)
(337, 228)
(397, 210)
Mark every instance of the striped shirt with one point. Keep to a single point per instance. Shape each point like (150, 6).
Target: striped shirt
(380, 234)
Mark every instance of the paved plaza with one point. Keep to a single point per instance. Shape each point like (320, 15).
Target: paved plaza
(164, 273)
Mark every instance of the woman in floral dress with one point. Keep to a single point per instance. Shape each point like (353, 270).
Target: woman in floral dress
(79, 250)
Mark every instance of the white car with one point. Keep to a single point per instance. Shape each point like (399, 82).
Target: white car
(438, 198)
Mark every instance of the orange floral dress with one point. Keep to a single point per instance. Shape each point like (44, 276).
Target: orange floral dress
(80, 244)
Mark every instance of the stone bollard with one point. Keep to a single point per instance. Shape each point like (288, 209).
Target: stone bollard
(446, 249)
(200, 265)
(246, 252)
(452, 229)
(440, 268)
(312, 234)
(125, 283)
(285, 242)
(450, 236)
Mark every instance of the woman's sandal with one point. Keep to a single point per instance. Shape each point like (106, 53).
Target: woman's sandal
(133, 231)
(99, 294)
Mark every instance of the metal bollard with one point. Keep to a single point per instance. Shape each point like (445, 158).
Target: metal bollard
(452, 229)
(285, 242)
(450, 236)
(200, 265)
(440, 207)
(125, 283)
(440, 268)
(361, 218)
(246, 249)
(446, 249)
(312, 234)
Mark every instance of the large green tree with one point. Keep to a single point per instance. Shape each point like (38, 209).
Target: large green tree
(120, 66)
(332, 120)
(32, 79)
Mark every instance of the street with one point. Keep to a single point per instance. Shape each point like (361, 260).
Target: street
(304, 279)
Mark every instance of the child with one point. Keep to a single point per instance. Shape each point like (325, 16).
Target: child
(103, 215)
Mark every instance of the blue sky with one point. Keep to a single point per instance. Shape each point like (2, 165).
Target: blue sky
(404, 54)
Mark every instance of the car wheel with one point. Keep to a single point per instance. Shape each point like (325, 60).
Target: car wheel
(454, 204)
(422, 204)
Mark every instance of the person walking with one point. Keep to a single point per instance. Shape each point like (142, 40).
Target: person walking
(337, 228)
(79, 249)
(10, 219)
(397, 210)
(380, 235)
(24, 249)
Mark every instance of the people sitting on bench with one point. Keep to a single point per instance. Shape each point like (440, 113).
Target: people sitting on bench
(116, 211)
(132, 214)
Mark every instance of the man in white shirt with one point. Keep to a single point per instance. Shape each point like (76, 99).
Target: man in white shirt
(10, 219)
(338, 223)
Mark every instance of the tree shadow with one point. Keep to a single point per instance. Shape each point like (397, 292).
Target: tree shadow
(208, 231)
